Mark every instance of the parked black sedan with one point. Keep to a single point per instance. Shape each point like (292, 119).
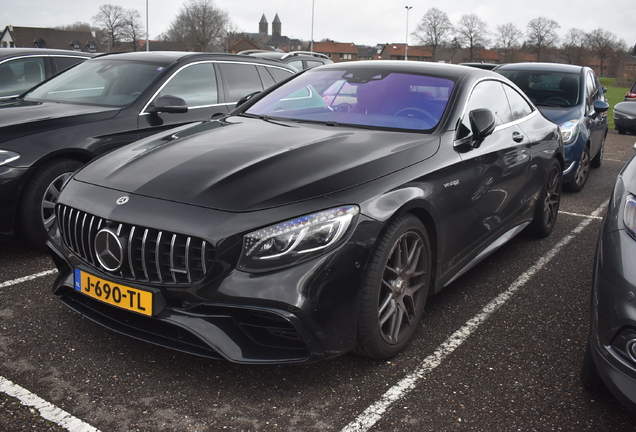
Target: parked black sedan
(610, 356)
(625, 117)
(102, 104)
(315, 219)
(23, 68)
(572, 97)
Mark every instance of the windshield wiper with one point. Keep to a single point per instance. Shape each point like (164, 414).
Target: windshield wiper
(264, 117)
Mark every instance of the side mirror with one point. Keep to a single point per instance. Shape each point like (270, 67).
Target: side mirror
(600, 106)
(168, 104)
(482, 124)
(604, 90)
(246, 98)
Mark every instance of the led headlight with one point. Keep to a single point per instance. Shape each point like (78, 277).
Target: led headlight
(629, 215)
(295, 240)
(569, 131)
(7, 156)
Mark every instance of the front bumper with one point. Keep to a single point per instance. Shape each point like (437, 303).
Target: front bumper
(613, 315)
(572, 155)
(303, 313)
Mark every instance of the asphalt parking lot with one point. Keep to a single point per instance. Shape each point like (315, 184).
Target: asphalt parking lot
(500, 349)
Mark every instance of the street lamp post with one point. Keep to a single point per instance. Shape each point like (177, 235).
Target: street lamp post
(406, 42)
(312, 26)
(147, 32)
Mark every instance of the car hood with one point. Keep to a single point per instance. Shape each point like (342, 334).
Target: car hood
(561, 115)
(43, 116)
(245, 164)
(626, 107)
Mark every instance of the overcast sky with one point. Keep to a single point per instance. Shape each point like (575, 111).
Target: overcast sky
(364, 22)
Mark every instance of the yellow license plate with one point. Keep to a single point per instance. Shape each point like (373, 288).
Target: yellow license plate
(122, 296)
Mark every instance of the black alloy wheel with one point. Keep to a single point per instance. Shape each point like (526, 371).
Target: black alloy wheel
(547, 207)
(395, 290)
(582, 172)
(36, 213)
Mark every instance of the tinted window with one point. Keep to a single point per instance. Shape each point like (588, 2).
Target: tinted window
(196, 84)
(99, 82)
(374, 98)
(547, 88)
(241, 80)
(490, 95)
(280, 74)
(266, 77)
(63, 63)
(19, 75)
(313, 64)
(518, 106)
(298, 64)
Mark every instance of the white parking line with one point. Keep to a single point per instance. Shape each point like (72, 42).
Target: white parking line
(581, 215)
(374, 413)
(27, 278)
(47, 411)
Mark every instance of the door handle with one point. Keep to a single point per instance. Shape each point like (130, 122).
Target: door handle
(517, 137)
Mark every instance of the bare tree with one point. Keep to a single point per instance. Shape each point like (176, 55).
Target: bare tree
(472, 33)
(604, 44)
(573, 48)
(542, 34)
(434, 30)
(133, 29)
(198, 24)
(110, 20)
(508, 37)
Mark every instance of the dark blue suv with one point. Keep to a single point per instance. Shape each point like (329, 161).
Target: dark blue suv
(572, 97)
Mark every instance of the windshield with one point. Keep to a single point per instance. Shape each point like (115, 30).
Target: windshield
(547, 88)
(99, 82)
(363, 97)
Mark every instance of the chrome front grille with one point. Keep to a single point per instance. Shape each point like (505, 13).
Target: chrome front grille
(149, 255)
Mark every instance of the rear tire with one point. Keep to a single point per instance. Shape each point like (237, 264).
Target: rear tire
(36, 212)
(598, 159)
(395, 289)
(547, 206)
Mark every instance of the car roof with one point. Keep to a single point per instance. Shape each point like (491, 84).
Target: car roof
(168, 57)
(542, 67)
(6, 53)
(285, 55)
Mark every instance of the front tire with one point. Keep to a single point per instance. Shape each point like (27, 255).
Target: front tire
(395, 289)
(36, 213)
(547, 207)
(582, 172)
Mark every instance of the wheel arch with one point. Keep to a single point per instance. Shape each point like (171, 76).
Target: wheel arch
(80, 155)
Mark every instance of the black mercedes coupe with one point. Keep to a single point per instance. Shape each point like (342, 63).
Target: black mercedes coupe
(314, 219)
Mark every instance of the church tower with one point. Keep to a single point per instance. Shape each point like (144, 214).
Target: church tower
(276, 24)
(263, 26)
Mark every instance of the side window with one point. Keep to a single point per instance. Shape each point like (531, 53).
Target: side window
(266, 77)
(196, 84)
(280, 74)
(313, 64)
(19, 75)
(592, 91)
(298, 64)
(63, 63)
(518, 106)
(490, 95)
(240, 80)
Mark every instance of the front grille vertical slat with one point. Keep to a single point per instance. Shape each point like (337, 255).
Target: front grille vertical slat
(174, 257)
(131, 262)
(187, 259)
(143, 254)
(158, 257)
(172, 251)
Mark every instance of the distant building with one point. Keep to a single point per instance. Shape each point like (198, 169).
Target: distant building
(414, 53)
(337, 51)
(263, 40)
(36, 37)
